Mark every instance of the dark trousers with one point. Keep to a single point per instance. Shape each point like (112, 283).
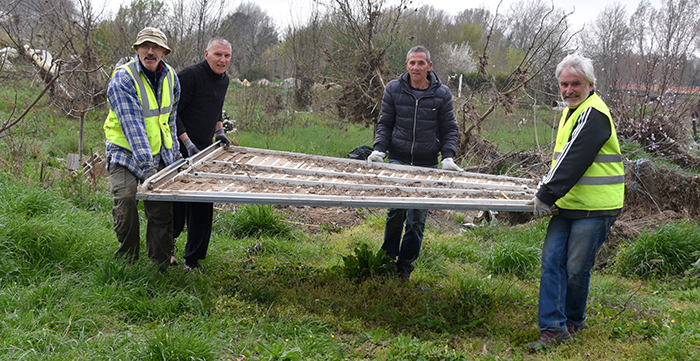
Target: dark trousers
(159, 217)
(198, 217)
(405, 249)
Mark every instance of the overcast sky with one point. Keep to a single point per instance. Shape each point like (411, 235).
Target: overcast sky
(282, 11)
(584, 11)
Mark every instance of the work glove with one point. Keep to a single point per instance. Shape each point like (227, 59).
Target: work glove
(191, 148)
(539, 208)
(449, 164)
(376, 156)
(219, 135)
(150, 172)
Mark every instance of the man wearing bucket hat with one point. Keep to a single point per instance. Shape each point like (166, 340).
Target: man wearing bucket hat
(140, 134)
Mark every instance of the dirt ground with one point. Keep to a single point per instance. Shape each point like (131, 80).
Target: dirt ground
(321, 219)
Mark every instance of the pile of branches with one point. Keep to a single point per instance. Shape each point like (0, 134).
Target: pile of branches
(663, 134)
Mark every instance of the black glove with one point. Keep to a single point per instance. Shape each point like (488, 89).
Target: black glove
(191, 148)
(219, 135)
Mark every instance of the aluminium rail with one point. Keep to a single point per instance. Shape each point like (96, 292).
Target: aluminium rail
(248, 175)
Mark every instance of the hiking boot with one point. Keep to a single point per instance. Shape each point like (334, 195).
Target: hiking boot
(405, 269)
(573, 330)
(550, 338)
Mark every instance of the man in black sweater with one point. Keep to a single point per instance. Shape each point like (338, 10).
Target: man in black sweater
(204, 88)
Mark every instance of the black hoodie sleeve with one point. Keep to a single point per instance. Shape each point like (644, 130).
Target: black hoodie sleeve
(590, 133)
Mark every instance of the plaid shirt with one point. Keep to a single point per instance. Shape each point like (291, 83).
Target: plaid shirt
(124, 100)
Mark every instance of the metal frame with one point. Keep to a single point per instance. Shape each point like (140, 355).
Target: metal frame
(236, 174)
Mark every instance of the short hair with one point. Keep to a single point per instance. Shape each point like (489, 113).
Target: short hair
(419, 49)
(219, 40)
(577, 65)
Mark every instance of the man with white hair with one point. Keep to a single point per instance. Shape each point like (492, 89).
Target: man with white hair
(199, 123)
(140, 140)
(586, 184)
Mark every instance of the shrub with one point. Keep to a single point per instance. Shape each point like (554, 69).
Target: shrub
(474, 80)
(668, 251)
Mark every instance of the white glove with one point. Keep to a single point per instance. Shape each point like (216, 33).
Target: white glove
(539, 208)
(449, 164)
(376, 156)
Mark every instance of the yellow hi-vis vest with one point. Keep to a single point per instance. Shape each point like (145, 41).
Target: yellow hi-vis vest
(155, 117)
(602, 187)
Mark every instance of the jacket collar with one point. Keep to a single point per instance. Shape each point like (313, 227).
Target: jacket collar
(435, 82)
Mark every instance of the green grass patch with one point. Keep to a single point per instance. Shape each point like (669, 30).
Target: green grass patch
(668, 251)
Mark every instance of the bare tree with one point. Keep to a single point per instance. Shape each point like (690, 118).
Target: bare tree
(190, 26)
(363, 33)
(606, 41)
(303, 45)
(85, 80)
(65, 29)
(251, 31)
(427, 26)
(651, 101)
(548, 40)
(118, 35)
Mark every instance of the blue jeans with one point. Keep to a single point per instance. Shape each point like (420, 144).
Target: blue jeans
(568, 255)
(407, 250)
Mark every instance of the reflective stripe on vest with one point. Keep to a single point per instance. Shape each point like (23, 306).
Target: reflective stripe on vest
(156, 118)
(602, 186)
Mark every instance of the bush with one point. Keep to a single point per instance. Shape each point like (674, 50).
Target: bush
(670, 250)
(255, 73)
(474, 80)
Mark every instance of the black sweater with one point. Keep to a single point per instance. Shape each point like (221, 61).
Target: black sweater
(201, 100)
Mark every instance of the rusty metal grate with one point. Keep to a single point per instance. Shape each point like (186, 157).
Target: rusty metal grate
(249, 175)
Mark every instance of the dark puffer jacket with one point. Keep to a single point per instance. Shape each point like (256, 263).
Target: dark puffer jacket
(417, 136)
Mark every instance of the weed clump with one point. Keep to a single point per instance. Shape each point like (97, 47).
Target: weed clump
(254, 220)
(365, 264)
(668, 251)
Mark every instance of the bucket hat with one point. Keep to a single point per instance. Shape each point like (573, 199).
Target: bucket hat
(154, 36)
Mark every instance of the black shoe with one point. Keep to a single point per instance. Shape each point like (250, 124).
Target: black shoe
(193, 267)
(405, 269)
(549, 339)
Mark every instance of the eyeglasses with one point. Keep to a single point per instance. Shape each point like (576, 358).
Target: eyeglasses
(155, 47)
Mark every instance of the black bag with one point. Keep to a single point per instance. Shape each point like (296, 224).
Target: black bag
(361, 152)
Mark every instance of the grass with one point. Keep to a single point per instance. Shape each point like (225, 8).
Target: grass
(272, 291)
(270, 296)
(668, 251)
